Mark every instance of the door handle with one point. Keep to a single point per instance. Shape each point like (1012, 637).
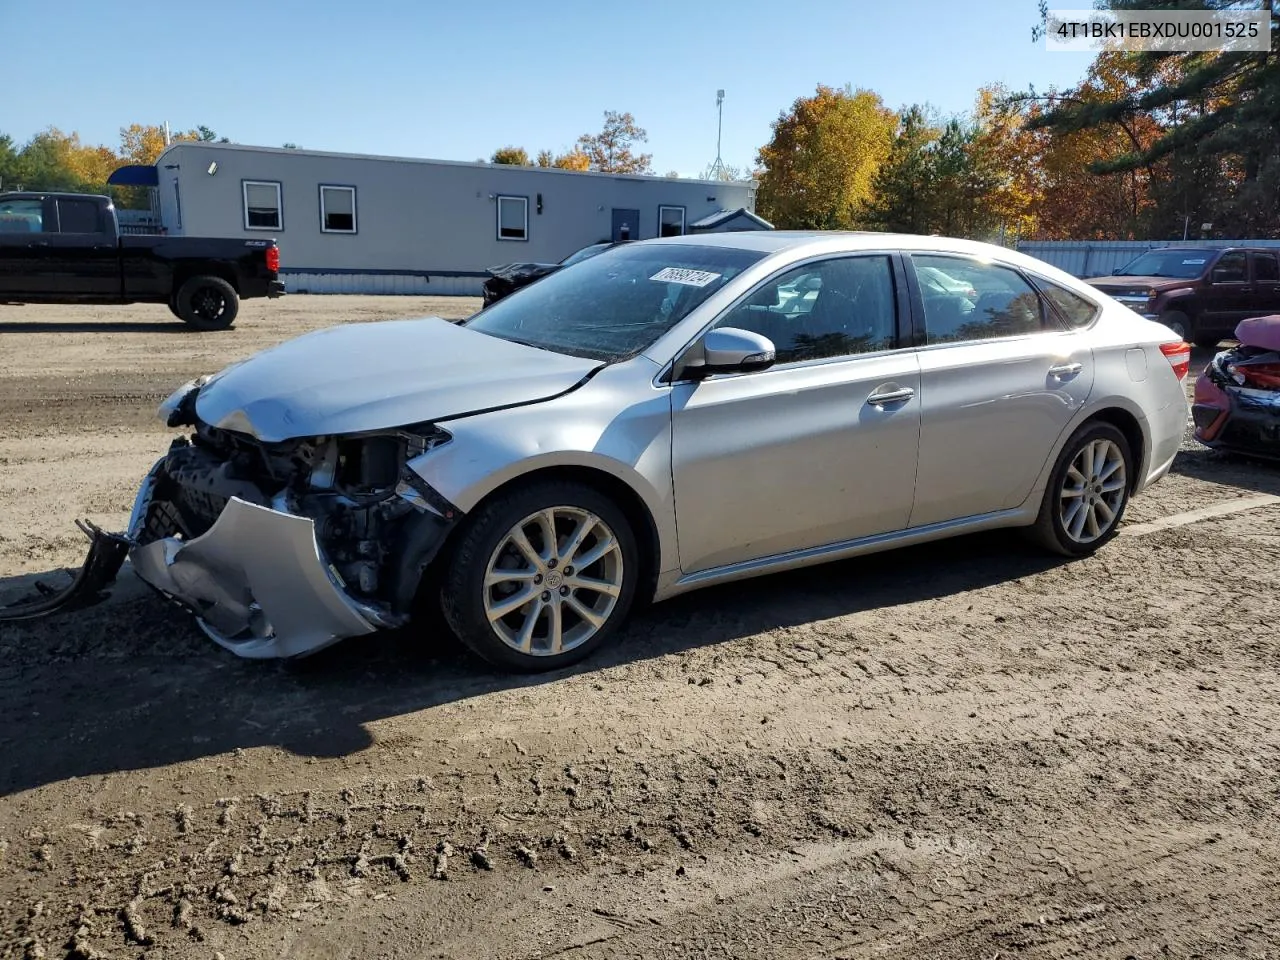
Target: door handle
(891, 396)
(1064, 370)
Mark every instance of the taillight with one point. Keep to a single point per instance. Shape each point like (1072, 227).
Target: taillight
(273, 259)
(1179, 357)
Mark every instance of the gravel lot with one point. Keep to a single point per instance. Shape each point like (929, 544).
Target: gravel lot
(972, 752)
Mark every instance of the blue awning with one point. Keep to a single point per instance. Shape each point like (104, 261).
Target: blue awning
(135, 175)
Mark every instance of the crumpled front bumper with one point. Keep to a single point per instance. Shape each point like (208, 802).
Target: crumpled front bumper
(1237, 418)
(256, 580)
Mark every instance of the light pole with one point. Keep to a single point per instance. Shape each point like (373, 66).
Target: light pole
(717, 168)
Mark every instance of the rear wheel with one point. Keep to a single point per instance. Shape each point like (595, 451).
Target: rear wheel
(541, 577)
(207, 303)
(1087, 492)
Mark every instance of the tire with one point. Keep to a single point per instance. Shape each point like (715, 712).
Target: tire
(207, 303)
(1059, 527)
(1178, 322)
(473, 609)
(173, 306)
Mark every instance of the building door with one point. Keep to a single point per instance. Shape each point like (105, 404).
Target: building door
(626, 224)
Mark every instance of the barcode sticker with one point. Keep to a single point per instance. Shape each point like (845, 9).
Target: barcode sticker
(690, 278)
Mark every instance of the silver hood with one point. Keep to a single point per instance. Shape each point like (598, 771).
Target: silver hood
(376, 376)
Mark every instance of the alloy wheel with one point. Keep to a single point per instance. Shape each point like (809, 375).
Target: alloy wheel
(553, 581)
(1093, 491)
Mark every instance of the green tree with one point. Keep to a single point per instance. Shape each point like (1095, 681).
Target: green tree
(610, 150)
(823, 156)
(903, 189)
(515, 156)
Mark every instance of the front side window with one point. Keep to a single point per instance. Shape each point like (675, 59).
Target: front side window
(79, 216)
(831, 308)
(338, 209)
(615, 304)
(998, 302)
(22, 216)
(513, 218)
(1230, 269)
(262, 208)
(671, 221)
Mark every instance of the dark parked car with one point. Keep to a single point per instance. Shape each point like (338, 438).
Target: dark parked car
(507, 279)
(1200, 294)
(67, 248)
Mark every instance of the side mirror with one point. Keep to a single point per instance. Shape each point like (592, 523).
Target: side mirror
(730, 350)
(1223, 275)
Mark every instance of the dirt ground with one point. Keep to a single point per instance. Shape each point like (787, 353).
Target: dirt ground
(970, 752)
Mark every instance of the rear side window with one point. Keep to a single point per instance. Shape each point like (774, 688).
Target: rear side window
(1265, 267)
(21, 216)
(977, 301)
(79, 216)
(1076, 310)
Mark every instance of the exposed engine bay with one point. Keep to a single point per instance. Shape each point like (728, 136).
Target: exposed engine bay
(355, 489)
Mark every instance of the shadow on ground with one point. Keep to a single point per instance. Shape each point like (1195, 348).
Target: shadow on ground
(132, 684)
(96, 326)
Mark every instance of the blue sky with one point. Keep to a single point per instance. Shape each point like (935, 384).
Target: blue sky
(455, 81)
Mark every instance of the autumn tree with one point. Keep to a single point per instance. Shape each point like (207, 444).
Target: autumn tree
(823, 156)
(514, 156)
(1214, 154)
(611, 150)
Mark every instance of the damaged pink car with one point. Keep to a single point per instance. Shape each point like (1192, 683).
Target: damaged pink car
(1237, 396)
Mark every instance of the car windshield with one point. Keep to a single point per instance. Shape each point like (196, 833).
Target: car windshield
(584, 253)
(616, 304)
(1176, 264)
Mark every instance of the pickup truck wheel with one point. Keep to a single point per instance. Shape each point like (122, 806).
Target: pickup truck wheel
(1178, 322)
(207, 303)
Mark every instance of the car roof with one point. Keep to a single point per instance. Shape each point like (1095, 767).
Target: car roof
(50, 194)
(795, 244)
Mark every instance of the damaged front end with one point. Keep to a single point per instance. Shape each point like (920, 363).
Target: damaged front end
(279, 549)
(1236, 405)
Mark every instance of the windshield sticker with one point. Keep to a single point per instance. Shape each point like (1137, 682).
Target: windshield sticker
(1186, 262)
(690, 278)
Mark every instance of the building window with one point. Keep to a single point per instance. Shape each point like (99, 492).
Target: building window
(671, 221)
(262, 205)
(513, 218)
(337, 209)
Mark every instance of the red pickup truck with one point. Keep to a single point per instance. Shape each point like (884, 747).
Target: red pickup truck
(1201, 294)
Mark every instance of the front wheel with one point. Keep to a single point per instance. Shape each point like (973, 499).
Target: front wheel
(542, 577)
(207, 303)
(1087, 492)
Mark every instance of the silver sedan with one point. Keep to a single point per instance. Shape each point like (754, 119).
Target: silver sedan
(665, 416)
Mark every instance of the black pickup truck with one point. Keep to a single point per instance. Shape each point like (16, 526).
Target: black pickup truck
(67, 248)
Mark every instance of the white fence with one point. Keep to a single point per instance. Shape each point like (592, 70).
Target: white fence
(1098, 258)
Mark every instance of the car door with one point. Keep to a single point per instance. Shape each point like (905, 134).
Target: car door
(818, 449)
(25, 226)
(1229, 295)
(82, 258)
(1265, 268)
(1000, 380)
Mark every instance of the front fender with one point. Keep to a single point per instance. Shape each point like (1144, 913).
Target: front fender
(590, 429)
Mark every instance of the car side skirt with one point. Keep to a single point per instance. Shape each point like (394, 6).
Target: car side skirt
(673, 584)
